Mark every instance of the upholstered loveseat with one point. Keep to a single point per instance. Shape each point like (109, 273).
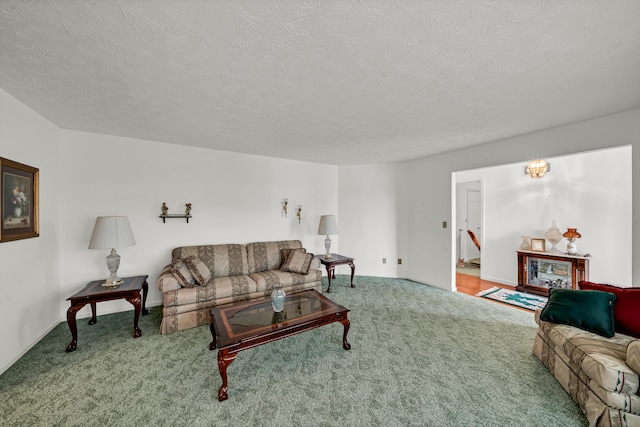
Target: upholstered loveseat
(202, 277)
(598, 367)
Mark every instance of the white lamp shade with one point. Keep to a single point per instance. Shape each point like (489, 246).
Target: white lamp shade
(111, 232)
(328, 225)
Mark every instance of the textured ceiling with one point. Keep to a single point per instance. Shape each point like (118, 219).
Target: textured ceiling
(338, 82)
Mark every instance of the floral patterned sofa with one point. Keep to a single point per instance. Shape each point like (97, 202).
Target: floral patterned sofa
(202, 277)
(600, 370)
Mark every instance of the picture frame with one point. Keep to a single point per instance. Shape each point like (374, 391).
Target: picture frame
(538, 245)
(19, 197)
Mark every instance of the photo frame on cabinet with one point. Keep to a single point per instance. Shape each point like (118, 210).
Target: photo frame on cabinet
(19, 193)
(538, 245)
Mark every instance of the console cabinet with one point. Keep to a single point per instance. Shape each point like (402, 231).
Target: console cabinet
(540, 271)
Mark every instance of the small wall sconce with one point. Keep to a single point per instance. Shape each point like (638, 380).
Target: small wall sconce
(299, 213)
(285, 202)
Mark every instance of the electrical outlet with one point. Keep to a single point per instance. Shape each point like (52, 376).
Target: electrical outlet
(384, 260)
(399, 260)
(444, 224)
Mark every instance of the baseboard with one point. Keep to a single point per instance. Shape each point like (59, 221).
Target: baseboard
(422, 282)
(499, 281)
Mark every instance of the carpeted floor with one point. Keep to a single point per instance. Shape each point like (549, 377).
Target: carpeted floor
(420, 357)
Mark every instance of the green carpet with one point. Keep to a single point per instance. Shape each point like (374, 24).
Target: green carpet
(420, 357)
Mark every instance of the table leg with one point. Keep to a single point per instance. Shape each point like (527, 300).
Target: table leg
(346, 323)
(353, 271)
(212, 344)
(71, 320)
(136, 302)
(330, 274)
(93, 319)
(145, 289)
(224, 360)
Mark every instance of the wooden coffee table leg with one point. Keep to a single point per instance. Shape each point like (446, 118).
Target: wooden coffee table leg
(212, 344)
(346, 323)
(136, 302)
(224, 360)
(71, 321)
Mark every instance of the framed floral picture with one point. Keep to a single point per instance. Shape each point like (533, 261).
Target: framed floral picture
(19, 194)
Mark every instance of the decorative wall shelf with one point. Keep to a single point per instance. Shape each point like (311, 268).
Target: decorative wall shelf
(164, 217)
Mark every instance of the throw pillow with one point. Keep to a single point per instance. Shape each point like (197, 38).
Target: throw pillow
(588, 310)
(182, 274)
(625, 309)
(199, 270)
(297, 262)
(284, 254)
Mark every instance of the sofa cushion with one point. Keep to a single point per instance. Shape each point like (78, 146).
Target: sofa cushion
(234, 287)
(625, 309)
(181, 272)
(297, 262)
(633, 355)
(272, 279)
(610, 373)
(588, 310)
(222, 260)
(284, 254)
(263, 256)
(198, 269)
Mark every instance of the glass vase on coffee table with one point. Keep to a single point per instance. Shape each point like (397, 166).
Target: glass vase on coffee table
(278, 297)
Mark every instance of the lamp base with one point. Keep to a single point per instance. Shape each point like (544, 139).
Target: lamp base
(113, 282)
(327, 246)
(113, 262)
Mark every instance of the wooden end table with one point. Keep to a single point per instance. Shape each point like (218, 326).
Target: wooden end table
(94, 292)
(330, 264)
(248, 324)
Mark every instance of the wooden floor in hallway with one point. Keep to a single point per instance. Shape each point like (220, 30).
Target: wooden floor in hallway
(471, 285)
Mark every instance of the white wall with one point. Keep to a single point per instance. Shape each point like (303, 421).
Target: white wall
(30, 300)
(372, 218)
(574, 194)
(236, 198)
(430, 182)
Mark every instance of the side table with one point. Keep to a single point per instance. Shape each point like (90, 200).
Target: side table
(330, 264)
(94, 292)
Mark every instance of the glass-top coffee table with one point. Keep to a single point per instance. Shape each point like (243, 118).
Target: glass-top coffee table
(249, 324)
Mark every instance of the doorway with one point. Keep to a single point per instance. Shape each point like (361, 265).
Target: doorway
(469, 231)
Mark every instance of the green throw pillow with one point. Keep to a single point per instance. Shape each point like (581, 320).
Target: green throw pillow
(588, 310)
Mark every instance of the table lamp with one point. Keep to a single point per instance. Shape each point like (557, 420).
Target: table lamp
(112, 232)
(328, 225)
